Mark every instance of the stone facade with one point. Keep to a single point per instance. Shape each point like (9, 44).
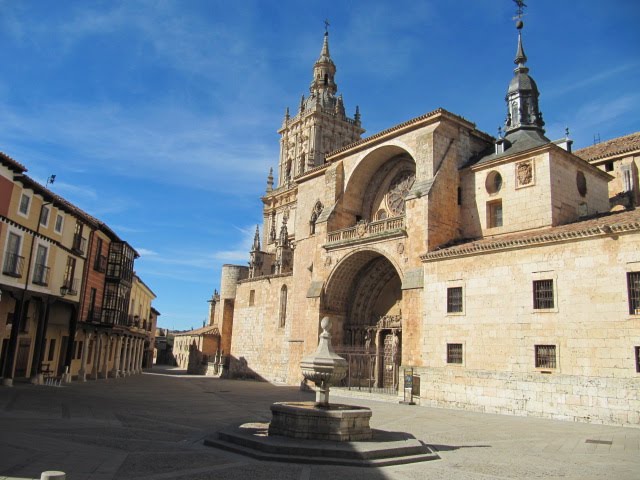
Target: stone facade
(492, 267)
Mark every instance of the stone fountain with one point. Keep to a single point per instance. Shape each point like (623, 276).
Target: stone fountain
(321, 420)
(321, 432)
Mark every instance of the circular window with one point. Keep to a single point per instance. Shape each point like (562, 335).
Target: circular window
(581, 183)
(493, 183)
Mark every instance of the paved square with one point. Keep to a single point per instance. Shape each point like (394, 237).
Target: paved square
(151, 426)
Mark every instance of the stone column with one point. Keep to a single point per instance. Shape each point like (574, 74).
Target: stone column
(125, 356)
(134, 361)
(96, 357)
(82, 374)
(140, 355)
(105, 364)
(116, 358)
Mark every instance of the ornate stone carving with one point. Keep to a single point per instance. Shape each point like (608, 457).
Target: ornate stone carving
(398, 188)
(524, 173)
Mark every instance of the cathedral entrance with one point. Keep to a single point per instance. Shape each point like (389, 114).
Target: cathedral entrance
(364, 295)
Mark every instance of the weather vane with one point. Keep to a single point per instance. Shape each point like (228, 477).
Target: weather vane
(520, 12)
(326, 26)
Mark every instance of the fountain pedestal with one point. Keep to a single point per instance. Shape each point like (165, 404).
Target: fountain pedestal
(339, 423)
(321, 420)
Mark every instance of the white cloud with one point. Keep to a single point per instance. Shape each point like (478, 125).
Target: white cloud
(146, 252)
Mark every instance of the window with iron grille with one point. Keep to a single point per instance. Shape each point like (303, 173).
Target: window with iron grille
(494, 214)
(633, 287)
(454, 353)
(454, 300)
(638, 359)
(252, 298)
(545, 356)
(543, 294)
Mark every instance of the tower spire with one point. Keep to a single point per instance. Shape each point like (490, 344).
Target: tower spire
(523, 112)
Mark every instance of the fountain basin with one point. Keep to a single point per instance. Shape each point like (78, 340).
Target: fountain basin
(305, 420)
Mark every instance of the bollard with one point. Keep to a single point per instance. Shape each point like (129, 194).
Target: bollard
(53, 475)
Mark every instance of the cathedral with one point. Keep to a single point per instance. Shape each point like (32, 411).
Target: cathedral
(499, 275)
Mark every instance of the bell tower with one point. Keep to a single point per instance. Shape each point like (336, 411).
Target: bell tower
(320, 124)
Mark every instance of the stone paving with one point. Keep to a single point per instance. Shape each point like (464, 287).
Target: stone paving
(151, 426)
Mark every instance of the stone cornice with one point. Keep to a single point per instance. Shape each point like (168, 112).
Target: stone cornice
(265, 277)
(591, 229)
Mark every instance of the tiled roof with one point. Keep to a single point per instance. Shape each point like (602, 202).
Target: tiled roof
(604, 224)
(11, 163)
(615, 146)
(208, 330)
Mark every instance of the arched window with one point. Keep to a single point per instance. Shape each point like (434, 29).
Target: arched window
(381, 214)
(317, 210)
(283, 306)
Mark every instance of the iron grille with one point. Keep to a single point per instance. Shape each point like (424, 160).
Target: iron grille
(454, 353)
(13, 265)
(41, 275)
(545, 356)
(543, 294)
(454, 300)
(633, 287)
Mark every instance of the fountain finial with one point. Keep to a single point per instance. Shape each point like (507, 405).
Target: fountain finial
(324, 367)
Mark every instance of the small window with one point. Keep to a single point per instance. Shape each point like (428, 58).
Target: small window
(633, 289)
(581, 184)
(454, 353)
(494, 214)
(545, 356)
(252, 297)
(25, 202)
(543, 294)
(454, 300)
(493, 183)
(44, 216)
(59, 223)
(459, 196)
(283, 306)
(608, 167)
(637, 359)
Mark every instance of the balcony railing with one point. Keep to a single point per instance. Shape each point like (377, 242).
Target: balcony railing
(71, 284)
(41, 275)
(95, 315)
(364, 229)
(13, 265)
(100, 264)
(79, 245)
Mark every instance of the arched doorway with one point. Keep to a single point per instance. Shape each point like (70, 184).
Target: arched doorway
(364, 296)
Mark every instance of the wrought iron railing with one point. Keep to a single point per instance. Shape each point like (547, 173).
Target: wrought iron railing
(71, 284)
(41, 275)
(79, 244)
(100, 264)
(13, 265)
(364, 229)
(363, 372)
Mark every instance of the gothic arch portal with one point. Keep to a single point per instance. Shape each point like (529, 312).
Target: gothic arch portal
(362, 289)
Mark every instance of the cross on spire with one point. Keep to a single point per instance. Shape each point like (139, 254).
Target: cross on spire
(326, 26)
(520, 11)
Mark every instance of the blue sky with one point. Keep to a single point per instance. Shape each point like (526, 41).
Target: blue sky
(160, 117)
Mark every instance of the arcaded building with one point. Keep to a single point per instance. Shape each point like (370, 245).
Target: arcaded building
(494, 268)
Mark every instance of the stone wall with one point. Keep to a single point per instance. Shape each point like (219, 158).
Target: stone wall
(595, 377)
